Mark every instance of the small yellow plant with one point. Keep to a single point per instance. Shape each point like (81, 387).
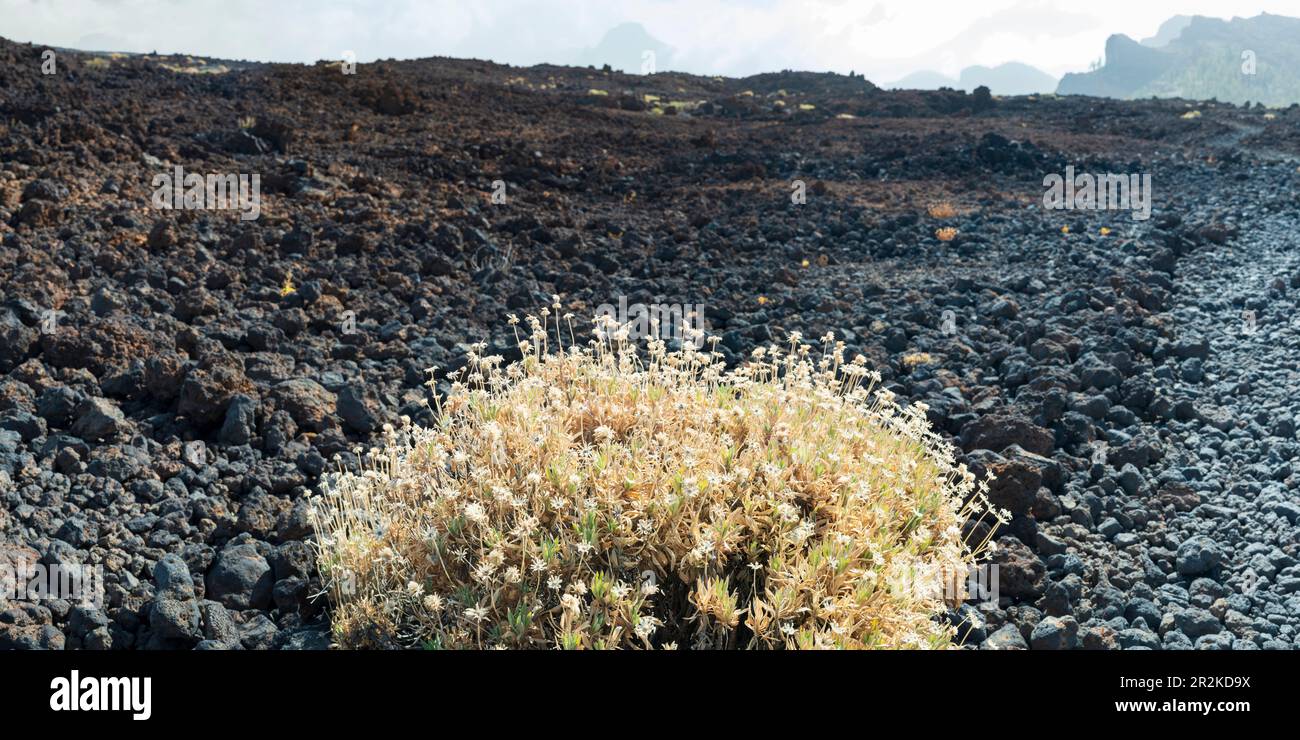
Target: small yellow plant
(1191, 115)
(914, 359)
(1104, 231)
(946, 234)
(598, 497)
(1065, 229)
(287, 288)
(942, 210)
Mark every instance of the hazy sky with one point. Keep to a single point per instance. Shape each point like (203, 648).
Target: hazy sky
(883, 38)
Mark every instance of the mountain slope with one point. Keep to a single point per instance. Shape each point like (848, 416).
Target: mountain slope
(1244, 59)
(1012, 78)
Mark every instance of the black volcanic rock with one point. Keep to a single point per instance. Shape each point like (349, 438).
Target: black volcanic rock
(174, 384)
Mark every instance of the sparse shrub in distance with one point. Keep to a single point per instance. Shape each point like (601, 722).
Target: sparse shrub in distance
(597, 497)
(915, 359)
(946, 234)
(942, 210)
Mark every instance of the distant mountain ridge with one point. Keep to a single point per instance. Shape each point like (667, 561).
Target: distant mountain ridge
(628, 47)
(1010, 78)
(1239, 60)
(1168, 31)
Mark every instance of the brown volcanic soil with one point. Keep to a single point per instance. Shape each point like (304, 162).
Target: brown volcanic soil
(171, 326)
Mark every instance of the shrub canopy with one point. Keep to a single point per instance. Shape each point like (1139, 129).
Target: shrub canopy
(588, 498)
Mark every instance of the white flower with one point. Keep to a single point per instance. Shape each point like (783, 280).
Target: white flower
(475, 513)
(803, 531)
(645, 628)
(484, 571)
(788, 512)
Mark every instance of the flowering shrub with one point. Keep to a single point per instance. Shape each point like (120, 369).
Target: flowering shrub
(946, 234)
(589, 498)
(942, 210)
